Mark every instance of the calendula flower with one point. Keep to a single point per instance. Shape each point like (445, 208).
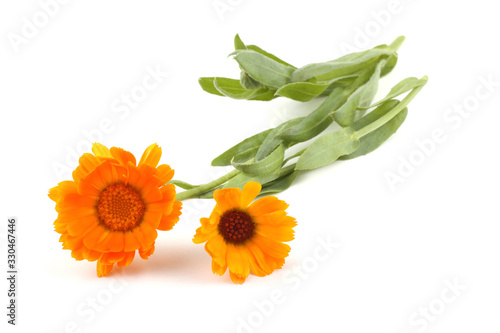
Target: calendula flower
(245, 236)
(113, 207)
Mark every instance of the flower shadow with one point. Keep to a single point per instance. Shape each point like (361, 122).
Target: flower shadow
(177, 261)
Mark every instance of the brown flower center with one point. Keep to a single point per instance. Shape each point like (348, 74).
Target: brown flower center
(236, 226)
(120, 207)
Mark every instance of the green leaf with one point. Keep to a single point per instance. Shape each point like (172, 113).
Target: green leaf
(328, 148)
(280, 184)
(265, 166)
(240, 180)
(306, 91)
(263, 69)
(245, 156)
(246, 94)
(231, 85)
(268, 96)
(238, 43)
(346, 65)
(269, 55)
(247, 82)
(318, 120)
(373, 140)
(246, 145)
(400, 88)
(362, 96)
(273, 140)
(302, 91)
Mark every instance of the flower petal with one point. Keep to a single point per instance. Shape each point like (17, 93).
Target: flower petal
(250, 191)
(168, 221)
(101, 150)
(103, 270)
(238, 263)
(80, 226)
(227, 199)
(165, 173)
(122, 156)
(146, 254)
(131, 243)
(271, 247)
(109, 258)
(266, 205)
(127, 259)
(151, 156)
(216, 247)
(218, 269)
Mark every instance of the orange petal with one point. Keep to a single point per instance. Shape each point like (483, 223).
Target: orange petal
(77, 254)
(146, 254)
(238, 263)
(122, 156)
(87, 163)
(91, 255)
(127, 259)
(259, 261)
(266, 205)
(149, 234)
(70, 242)
(131, 243)
(250, 191)
(82, 225)
(278, 219)
(277, 233)
(109, 258)
(271, 247)
(216, 247)
(168, 221)
(165, 173)
(61, 190)
(103, 270)
(202, 237)
(79, 201)
(117, 242)
(218, 269)
(150, 190)
(237, 278)
(227, 199)
(153, 218)
(95, 237)
(151, 156)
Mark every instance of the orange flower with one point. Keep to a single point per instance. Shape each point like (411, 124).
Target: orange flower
(114, 207)
(245, 236)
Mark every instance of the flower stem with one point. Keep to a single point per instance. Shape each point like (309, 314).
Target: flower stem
(206, 187)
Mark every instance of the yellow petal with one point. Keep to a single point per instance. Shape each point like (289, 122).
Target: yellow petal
(250, 192)
(151, 156)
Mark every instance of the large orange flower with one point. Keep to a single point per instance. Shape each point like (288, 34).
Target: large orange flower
(114, 207)
(245, 236)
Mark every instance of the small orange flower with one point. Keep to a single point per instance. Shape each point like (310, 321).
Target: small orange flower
(113, 207)
(245, 236)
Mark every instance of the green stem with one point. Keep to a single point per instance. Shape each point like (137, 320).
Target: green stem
(206, 187)
(391, 114)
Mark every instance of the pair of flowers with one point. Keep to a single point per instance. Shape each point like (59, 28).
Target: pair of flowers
(114, 206)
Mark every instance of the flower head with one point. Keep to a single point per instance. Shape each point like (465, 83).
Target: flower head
(245, 236)
(114, 207)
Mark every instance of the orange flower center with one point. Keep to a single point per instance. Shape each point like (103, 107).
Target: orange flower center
(236, 226)
(120, 207)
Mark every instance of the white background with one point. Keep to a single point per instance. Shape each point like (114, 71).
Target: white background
(398, 246)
